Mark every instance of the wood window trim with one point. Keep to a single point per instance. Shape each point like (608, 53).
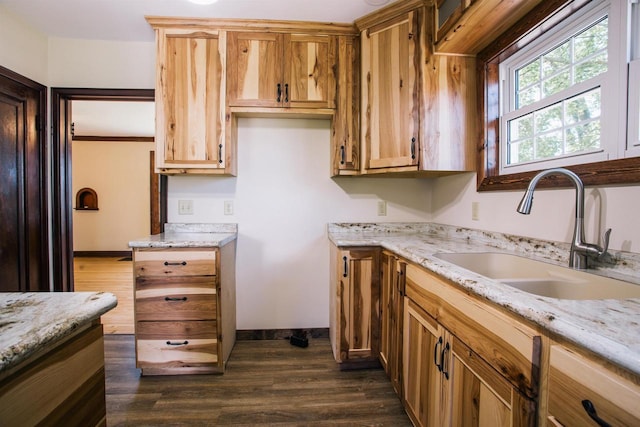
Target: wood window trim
(549, 13)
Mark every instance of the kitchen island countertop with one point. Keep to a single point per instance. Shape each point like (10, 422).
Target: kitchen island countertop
(195, 235)
(32, 321)
(608, 328)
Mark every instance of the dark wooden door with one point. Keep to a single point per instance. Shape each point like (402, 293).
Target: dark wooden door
(23, 182)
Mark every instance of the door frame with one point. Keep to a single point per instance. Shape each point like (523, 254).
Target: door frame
(62, 196)
(42, 282)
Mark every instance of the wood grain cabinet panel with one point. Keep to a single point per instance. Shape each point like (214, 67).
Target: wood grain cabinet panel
(577, 384)
(282, 70)
(184, 309)
(464, 362)
(390, 92)
(391, 317)
(354, 307)
(190, 102)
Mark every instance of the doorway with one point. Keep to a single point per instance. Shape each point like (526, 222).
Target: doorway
(24, 242)
(63, 197)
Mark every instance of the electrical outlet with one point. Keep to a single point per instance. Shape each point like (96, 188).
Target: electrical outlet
(475, 211)
(228, 207)
(185, 207)
(382, 208)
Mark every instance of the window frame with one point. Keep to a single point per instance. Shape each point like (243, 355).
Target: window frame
(544, 16)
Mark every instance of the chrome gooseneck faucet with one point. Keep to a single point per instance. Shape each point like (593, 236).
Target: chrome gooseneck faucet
(580, 251)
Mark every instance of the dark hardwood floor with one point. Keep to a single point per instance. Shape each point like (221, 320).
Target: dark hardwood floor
(267, 382)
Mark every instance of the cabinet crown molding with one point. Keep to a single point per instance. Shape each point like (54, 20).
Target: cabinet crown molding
(389, 12)
(263, 25)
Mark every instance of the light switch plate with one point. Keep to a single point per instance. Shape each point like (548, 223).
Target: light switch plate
(382, 208)
(475, 211)
(228, 207)
(185, 207)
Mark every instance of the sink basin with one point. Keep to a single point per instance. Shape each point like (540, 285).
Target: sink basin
(541, 278)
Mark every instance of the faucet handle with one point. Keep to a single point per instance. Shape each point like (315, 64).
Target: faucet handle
(605, 242)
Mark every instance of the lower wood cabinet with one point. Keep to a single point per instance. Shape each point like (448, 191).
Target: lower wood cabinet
(185, 320)
(354, 322)
(464, 363)
(391, 317)
(582, 393)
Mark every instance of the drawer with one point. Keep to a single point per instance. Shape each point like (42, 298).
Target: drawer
(574, 379)
(177, 353)
(508, 346)
(176, 330)
(175, 301)
(173, 263)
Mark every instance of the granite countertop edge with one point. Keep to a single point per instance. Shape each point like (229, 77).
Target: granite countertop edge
(32, 321)
(184, 240)
(607, 328)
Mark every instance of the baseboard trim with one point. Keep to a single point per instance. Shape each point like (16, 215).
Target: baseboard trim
(277, 334)
(103, 254)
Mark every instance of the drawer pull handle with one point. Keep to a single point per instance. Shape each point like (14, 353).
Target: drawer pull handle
(177, 343)
(435, 354)
(166, 263)
(345, 267)
(443, 360)
(591, 411)
(175, 298)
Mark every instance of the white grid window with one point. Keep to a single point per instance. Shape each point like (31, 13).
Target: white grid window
(561, 95)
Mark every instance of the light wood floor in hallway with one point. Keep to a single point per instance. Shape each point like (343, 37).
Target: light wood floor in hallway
(267, 382)
(108, 274)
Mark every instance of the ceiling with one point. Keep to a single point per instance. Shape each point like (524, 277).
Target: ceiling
(124, 19)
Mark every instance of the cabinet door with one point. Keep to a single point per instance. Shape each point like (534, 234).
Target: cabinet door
(345, 138)
(577, 385)
(422, 346)
(190, 102)
(479, 395)
(355, 323)
(255, 69)
(309, 71)
(391, 318)
(390, 93)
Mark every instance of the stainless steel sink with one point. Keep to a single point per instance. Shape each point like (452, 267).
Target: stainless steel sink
(541, 278)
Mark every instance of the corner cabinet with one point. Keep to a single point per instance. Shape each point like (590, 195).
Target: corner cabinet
(418, 108)
(463, 360)
(354, 301)
(184, 306)
(392, 316)
(191, 122)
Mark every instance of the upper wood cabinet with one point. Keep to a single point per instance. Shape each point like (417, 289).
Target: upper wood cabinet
(418, 108)
(190, 102)
(468, 26)
(281, 70)
(390, 113)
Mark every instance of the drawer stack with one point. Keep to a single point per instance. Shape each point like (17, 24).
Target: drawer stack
(177, 311)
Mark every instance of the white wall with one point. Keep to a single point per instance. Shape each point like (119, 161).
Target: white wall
(101, 64)
(22, 49)
(552, 215)
(119, 174)
(283, 198)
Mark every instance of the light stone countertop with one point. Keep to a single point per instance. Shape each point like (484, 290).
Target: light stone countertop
(32, 321)
(608, 328)
(196, 235)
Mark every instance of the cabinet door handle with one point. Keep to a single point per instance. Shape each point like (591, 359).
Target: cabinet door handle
(286, 92)
(342, 154)
(591, 411)
(166, 263)
(220, 153)
(443, 360)
(279, 92)
(177, 343)
(413, 148)
(345, 271)
(435, 354)
(175, 298)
